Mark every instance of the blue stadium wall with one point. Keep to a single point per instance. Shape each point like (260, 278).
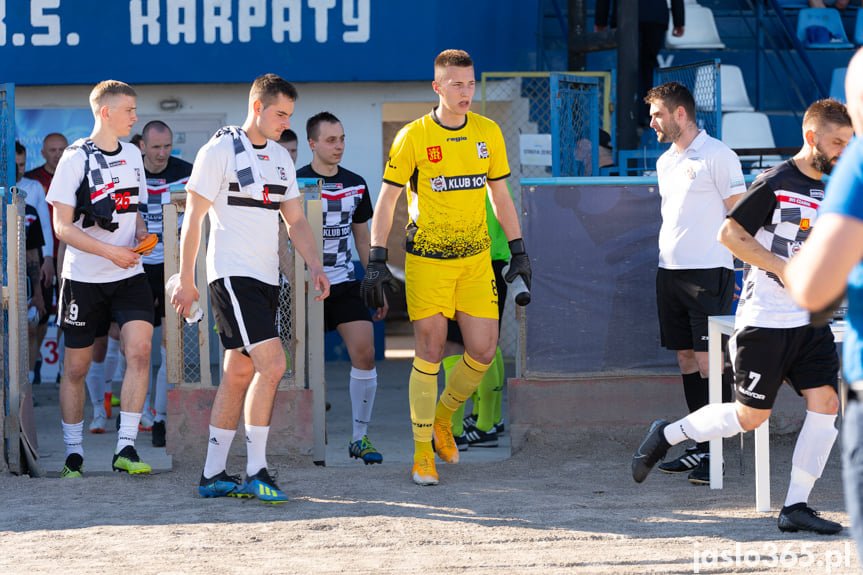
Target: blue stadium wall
(221, 41)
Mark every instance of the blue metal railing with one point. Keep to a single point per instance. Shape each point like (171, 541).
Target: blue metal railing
(791, 33)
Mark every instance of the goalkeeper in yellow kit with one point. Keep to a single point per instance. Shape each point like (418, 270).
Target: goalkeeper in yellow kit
(444, 161)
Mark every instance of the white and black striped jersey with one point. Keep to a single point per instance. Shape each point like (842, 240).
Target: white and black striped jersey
(244, 231)
(345, 200)
(778, 211)
(177, 172)
(127, 188)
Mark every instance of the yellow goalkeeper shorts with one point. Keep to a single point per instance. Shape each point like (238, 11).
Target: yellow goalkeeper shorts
(448, 285)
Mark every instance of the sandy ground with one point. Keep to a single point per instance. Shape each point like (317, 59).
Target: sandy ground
(563, 505)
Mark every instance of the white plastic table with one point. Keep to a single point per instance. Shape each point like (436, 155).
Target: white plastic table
(717, 327)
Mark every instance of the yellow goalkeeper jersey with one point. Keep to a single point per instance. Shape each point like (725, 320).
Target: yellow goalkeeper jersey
(444, 171)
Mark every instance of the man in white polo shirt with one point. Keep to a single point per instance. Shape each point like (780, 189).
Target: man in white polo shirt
(700, 180)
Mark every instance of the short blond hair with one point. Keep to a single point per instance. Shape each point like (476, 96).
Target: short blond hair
(107, 89)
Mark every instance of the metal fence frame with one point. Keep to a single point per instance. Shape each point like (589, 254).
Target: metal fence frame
(703, 80)
(190, 347)
(506, 99)
(17, 384)
(7, 181)
(572, 96)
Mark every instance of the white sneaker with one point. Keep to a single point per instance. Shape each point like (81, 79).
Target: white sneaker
(98, 425)
(146, 423)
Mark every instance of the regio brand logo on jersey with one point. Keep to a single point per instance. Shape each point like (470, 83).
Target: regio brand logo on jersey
(816, 194)
(263, 157)
(435, 154)
(481, 150)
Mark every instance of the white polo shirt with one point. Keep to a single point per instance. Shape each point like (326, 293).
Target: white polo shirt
(694, 185)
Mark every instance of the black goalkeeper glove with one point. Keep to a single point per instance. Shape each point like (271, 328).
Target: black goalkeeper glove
(377, 275)
(519, 263)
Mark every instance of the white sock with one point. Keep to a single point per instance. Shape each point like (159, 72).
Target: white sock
(112, 358)
(364, 384)
(96, 383)
(128, 432)
(712, 421)
(73, 437)
(218, 447)
(161, 403)
(256, 448)
(811, 452)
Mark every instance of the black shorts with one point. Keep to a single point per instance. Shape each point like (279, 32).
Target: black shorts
(344, 305)
(244, 310)
(86, 310)
(764, 357)
(453, 332)
(684, 300)
(156, 276)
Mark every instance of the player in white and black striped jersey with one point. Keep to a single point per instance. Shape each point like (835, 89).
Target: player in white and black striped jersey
(773, 338)
(163, 170)
(95, 192)
(347, 209)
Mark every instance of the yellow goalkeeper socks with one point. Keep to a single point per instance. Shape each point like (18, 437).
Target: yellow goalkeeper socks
(422, 393)
(464, 378)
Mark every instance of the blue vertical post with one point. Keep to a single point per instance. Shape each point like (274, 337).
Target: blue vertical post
(759, 52)
(7, 180)
(717, 99)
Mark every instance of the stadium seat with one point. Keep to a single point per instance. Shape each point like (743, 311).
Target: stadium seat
(828, 18)
(858, 29)
(837, 84)
(734, 95)
(700, 32)
(743, 130)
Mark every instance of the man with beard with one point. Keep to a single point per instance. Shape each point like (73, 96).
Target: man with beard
(773, 340)
(700, 179)
(830, 261)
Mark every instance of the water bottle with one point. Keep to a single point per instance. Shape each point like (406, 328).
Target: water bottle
(518, 288)
(196, 314)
